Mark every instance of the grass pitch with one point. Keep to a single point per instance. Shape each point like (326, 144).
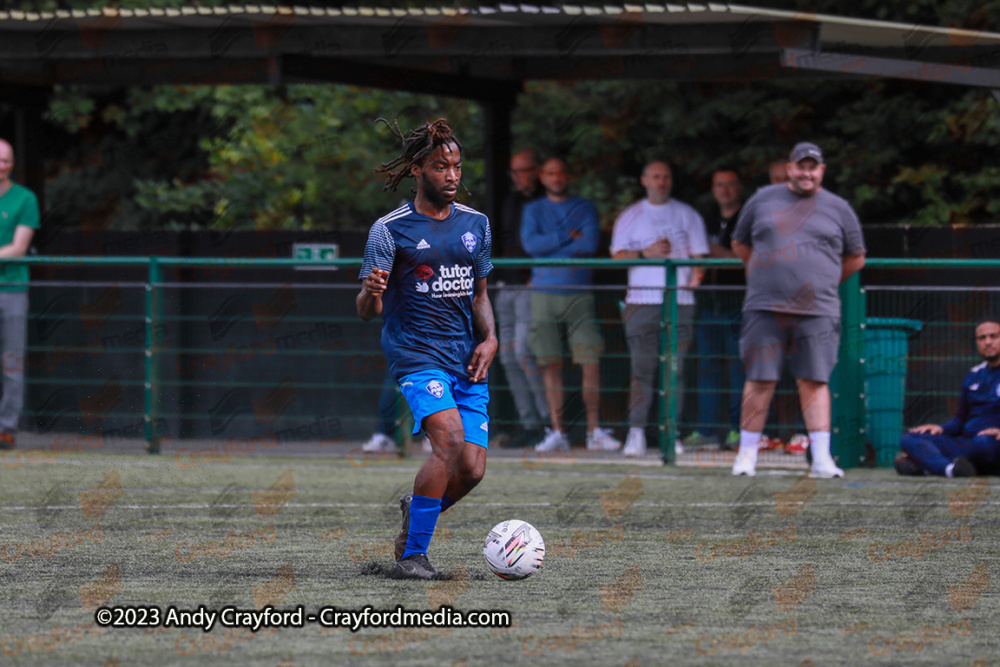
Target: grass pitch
(645, 566)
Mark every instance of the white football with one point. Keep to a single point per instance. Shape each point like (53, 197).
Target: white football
(514, 549)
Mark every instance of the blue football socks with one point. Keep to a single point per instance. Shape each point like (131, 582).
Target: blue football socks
(424, 513)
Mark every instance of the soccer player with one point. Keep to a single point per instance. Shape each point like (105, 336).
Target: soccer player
(967, 443)
(424, 271)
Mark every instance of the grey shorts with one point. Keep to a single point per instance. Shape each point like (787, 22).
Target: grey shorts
(574, 311)
(810, 342)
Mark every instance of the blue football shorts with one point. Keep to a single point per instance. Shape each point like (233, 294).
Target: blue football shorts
(431, 391)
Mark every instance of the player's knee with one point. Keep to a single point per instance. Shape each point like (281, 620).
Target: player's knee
(986, 448)
(909, 442)
(448, 445)
(454, 442)
(474, 475)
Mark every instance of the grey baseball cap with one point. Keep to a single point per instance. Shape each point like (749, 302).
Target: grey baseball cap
(804, 150)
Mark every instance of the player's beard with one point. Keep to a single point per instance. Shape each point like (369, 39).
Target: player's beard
(436, 196)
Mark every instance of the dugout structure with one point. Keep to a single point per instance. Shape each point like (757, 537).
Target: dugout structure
(487, 53)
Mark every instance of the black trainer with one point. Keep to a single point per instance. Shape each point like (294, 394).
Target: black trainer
(404, 532)
(963, 468)
(414, 567)
(904, 465)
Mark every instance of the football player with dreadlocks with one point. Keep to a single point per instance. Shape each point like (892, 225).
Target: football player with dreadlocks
(424, 271)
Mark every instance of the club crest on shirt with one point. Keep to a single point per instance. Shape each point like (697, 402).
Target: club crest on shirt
(469, 240)
(435, 388)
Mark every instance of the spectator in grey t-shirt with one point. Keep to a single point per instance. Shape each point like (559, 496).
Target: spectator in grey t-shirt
(798, 243)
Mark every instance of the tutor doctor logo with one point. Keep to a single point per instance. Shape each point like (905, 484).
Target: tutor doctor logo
(452, 281)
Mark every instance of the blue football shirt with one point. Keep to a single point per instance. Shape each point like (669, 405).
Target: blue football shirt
(433, 267)
(979, 407)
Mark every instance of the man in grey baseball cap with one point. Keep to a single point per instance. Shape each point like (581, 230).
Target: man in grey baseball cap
(798, 242)
(804, 150)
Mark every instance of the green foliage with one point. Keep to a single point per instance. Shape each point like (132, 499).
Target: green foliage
(242, 156)
(247, 156)
(899, 152)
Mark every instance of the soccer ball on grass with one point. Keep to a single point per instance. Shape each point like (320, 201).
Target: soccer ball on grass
(514, 549)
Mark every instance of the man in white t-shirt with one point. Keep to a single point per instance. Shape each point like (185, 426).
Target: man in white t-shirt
(654, 228)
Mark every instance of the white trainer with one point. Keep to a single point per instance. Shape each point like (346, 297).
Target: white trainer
(600, 439)
(379, 442)
(554, 441)
(635, 443)
(825, 470)
(745, 465)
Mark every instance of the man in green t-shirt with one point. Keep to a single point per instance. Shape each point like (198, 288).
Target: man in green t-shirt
(18, 222)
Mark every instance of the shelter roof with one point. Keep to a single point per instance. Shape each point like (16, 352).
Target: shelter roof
(476, 52)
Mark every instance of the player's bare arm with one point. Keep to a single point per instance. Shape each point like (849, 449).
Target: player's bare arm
(716, 251)
(932, 429)
(482, 322)
(656, 250)
(369, 301)
(742, 251)
(19, 246)
(851, 265)
(698, 274)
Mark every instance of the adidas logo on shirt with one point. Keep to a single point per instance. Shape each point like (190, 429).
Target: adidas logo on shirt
(423, 245)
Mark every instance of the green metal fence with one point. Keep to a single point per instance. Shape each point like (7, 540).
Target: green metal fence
(286, 372)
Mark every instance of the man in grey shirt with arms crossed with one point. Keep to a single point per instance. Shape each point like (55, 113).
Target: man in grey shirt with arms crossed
(798, 243)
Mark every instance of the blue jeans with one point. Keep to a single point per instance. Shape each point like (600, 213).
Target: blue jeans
(719, 370)
(513, 311)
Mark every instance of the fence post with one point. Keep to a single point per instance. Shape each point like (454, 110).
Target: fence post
(847, 387)
(669, 366)
(151, 384)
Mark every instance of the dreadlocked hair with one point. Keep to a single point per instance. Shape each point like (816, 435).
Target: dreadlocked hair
(417, 145)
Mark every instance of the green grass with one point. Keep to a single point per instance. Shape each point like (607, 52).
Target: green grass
(674, 601)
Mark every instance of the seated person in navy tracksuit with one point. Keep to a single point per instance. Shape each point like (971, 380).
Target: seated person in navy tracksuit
(970, 442)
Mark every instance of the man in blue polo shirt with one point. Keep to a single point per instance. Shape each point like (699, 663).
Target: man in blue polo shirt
(424, 271)
(968, 443)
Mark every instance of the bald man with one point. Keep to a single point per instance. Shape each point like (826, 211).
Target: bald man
(656, 227)
(18, 222)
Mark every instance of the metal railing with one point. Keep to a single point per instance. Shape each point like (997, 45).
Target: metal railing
(193, 393)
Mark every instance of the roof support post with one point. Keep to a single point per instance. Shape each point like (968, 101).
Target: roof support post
(497, 150)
